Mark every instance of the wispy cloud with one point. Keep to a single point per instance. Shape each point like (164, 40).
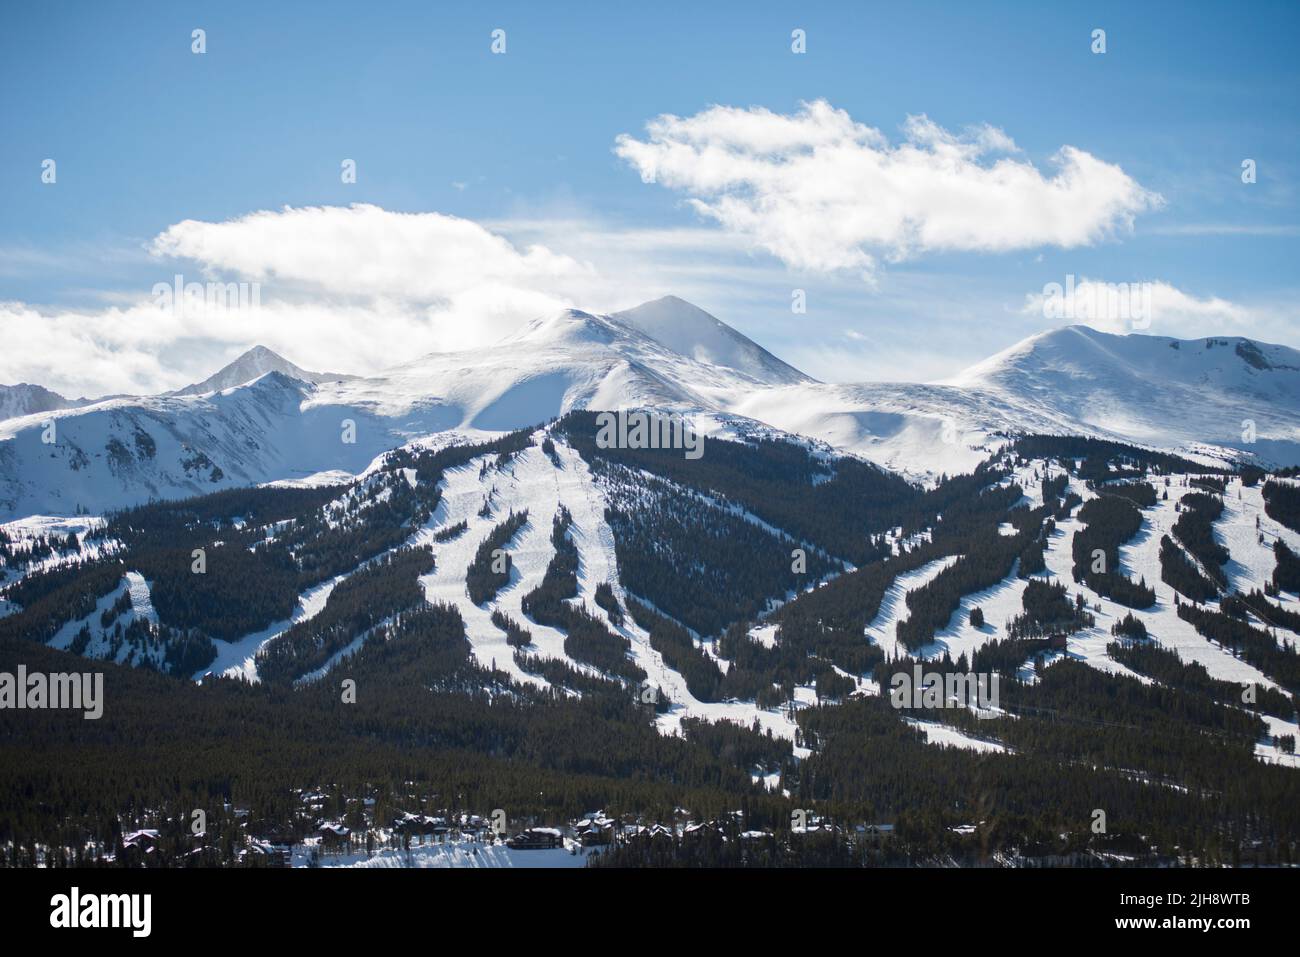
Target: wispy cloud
(1225, 229)
(1155, 307)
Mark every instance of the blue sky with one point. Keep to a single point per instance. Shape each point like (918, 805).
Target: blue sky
(146, 135)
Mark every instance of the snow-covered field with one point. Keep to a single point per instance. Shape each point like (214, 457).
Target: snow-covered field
(947, 736)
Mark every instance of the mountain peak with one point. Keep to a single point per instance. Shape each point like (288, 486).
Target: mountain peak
(568, 325)
(261, 352)
(252, 364)
(671, 301)
(687, 329)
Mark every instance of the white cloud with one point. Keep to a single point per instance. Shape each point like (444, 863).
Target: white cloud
(825, 193)
(368, 251)
(1155, 307)
(75, 353)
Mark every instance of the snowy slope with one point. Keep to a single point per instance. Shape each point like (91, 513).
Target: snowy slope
(918, 430)
(1250, 568)
(690, 331)
(1196, 397)
(1154, 390)
(531, 481)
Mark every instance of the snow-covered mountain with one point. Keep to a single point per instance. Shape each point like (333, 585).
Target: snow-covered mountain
(128, 450)
(263, 419)
(552, 365)
(1155, 390)
(257, 361)
(574, 360)
(27, 399)
(283, 424)
(1217, 398)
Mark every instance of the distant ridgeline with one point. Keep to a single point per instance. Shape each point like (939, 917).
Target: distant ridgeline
(762, 532)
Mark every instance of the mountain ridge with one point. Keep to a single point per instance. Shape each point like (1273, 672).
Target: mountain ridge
(263, 419)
